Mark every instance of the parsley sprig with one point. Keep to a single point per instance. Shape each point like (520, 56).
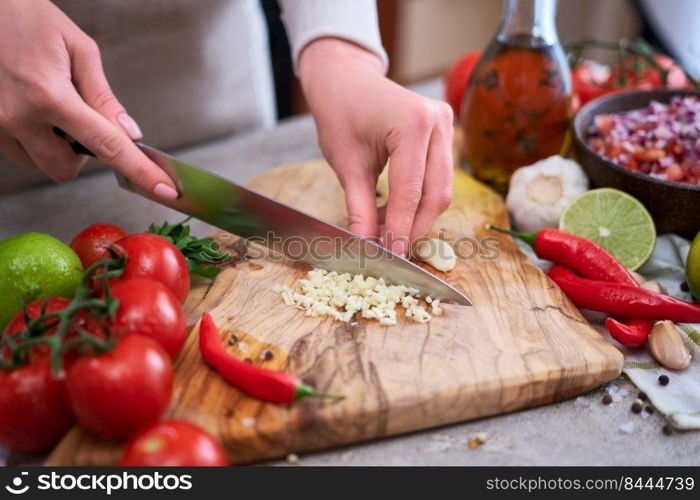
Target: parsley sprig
(203, 255)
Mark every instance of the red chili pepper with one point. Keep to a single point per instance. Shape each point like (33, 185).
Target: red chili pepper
(590, 261)
(631, 333)
(623, 300)
(260, 383)
(583, 256)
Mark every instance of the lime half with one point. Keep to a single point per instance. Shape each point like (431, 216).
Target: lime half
(614, 220)
(33, 266)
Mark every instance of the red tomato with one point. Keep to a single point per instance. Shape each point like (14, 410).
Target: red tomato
(92, 242)
(34, 413)
(117, 393)
(34, 309)
(591, 80)
(148, 308)
(173, 443)
(457, 79)
(153, 257)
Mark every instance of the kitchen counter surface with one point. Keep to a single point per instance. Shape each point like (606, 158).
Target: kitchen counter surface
(582, 431)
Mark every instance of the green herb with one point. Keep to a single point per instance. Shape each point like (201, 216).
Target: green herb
(203, 254)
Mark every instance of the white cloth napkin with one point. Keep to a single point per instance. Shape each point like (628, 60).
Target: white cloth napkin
(679, 401)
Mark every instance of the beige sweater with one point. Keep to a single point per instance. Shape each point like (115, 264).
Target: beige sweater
(193, 70)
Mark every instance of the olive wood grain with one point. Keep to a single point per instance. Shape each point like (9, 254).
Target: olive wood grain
(522, 344)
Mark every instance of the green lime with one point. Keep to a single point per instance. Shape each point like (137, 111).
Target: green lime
(32, 266)
(614, 220)
(692, 268)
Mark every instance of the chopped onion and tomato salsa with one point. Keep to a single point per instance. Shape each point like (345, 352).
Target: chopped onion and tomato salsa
(661, 140)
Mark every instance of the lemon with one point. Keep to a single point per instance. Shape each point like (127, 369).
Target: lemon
(32, 266)
(692, 268)
(614, 220)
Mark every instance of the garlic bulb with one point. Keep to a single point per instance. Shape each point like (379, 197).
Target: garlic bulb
(539, 193)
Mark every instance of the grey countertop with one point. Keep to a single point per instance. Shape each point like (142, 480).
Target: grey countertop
(582, 431)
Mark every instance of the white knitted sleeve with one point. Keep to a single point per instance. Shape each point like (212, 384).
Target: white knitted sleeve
(353, 20)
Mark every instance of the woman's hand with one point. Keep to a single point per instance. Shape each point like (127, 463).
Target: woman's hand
(363, 120)
(51, 76)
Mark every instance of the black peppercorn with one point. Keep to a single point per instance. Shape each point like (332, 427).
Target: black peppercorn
(267, 355)
(607, 399)
(685, 287)
(667, 429)
(649, 409)
(663, 379)
(643, 396)
(637, 407)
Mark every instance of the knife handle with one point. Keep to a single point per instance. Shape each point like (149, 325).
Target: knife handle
(77, 148)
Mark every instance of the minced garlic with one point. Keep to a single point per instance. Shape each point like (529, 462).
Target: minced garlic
(341, 296)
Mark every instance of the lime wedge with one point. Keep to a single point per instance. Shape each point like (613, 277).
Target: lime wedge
(614, 220)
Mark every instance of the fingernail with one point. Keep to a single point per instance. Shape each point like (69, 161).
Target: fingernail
(165, 192)
(129, 126)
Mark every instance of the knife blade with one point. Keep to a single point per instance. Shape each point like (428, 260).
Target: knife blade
(282, 228)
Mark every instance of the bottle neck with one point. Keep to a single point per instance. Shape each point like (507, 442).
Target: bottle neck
(530, 18)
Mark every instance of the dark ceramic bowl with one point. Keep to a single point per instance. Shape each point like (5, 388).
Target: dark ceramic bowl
(674, 206)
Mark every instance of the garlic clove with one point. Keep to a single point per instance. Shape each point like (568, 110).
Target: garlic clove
(438, 253)
(668, 347)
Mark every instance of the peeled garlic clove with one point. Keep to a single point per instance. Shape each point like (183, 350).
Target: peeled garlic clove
(667, 346)
(437, 253)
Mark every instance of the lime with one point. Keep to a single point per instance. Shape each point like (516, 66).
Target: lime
(614, 220)
(692, 268)
(32, 266)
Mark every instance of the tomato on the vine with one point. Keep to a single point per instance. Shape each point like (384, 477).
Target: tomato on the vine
(149, 308)
(34, 413)
(92, 242)
(114, 394)
(173, 443)
(35, 309)
(153, 257)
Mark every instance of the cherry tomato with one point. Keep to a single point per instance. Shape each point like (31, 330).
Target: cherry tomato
(92, 242)
(457, 79)
(173, 443)
(148, 308)
(592, 80)
(34, 412)
(153, 257)
(34, 309)
(114, 394)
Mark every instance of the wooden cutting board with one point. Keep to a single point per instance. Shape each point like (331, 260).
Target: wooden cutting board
(522, 344)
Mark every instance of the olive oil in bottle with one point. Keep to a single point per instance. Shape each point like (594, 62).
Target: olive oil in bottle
(517, 105)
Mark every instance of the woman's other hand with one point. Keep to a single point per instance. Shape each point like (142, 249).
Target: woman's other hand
(363, 120)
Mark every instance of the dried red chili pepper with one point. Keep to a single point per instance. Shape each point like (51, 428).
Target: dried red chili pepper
(623, 300)
(593, 262)
(268, 385)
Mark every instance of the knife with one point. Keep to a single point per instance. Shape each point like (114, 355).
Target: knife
(284, 229)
